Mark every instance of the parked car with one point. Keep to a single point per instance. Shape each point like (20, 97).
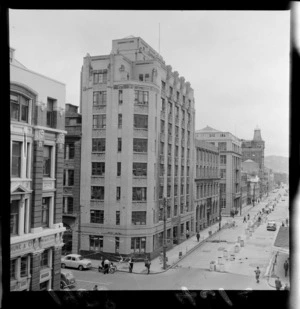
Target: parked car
(67, 279)
(271, 226)
(75, 261)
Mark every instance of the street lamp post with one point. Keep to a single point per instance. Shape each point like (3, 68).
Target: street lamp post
(220, 212)
(254, 194)
(165, 232)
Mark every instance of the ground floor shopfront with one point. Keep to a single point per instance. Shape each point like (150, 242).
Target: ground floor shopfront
(139, 242)
(35, 263)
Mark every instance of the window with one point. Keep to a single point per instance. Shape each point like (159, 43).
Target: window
(99, 98)
(222, 188)
(68, 205)
(168, 191)
(163, 104)
(97, 216)
(68, 178)
(223, 173)
(117, 244)
(169, 149)
(16, 159)
(177, 96)
(139, 194)
(161, 191)
(141, 97)
(162, 126)
(14, 218)
(138, 245)
(96, 243)
(181, 189)
(139, 169)
(69, 150)
(47, 161)
(45, 211)
(117, 217)
(162, 145)
(147, 77)
(138, 217)
(120, 96)
(119, 121)
(97, 193)
(169, 212)
(119, 144)
(140, 145)
(98, 145)
(140, 121)
(170, 108)
(141, 77)
(118, 197)
(222, 146)
(50, 113)
(13, 268)
(223, 202)
(222, 159)
(118, 168)
(163, 86)
(171, 91)
(175, 190)
(19, 107)
(98, 168)
(99, 121)
(100, 76)
(24, 266)
(45, 261)
(175, 210)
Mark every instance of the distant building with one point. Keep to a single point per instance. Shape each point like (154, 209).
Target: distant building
(71, 183)
(207, 179)
(37, 149)
(137, 151)
(251, 167)
(230, 166)
(244, 189)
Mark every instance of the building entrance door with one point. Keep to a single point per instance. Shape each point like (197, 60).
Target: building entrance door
(175, 234)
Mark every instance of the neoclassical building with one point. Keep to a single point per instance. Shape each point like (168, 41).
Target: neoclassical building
(137, 151)
(207, 179)
(37, 147)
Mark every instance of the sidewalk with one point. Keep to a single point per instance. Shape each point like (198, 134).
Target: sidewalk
(186, 247)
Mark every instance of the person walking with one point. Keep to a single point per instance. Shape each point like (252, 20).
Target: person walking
(95, 288)
(147, 264)
(278, 284)
(245, 220)
(248, 217)
(106, 266)
(198, 236)
(130, 265)
(286, 267)
(257, 274)
(187, 234)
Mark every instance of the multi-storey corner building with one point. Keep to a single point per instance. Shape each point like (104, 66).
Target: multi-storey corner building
(230, 166)
(137, 149)
(207, 179)
(71, 182)
(37, 148)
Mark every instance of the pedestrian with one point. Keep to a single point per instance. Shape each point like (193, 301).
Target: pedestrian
(187, 234)
(248, 217)
(198, 236)
(106, 266)
(287, 221)
(147, 264)
(102, 263)
(95, 288)
(282, 223)
(257, 274)
(130, 265)
(278, 284)
(286, 267)
(245, 220)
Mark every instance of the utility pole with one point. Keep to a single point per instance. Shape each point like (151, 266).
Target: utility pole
(220, 212)
(165, 233)
(254, 194)
(79, 228)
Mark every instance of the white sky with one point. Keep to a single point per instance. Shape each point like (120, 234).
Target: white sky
(237, 62)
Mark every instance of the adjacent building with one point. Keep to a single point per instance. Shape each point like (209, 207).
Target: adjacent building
(137, 152)
(37, 148)
(207, 179)
(230, 167)
(71, 180)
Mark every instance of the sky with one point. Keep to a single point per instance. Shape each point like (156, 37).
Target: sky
(236, 61)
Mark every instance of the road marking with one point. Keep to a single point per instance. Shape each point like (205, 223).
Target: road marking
(105, 283)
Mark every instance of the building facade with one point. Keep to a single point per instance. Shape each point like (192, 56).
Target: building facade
(71, 181)
(137, 151)
(230, 167)
(244, 189)
(37, 147)
(207, 179)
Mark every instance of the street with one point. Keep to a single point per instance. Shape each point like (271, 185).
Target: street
(193, 271)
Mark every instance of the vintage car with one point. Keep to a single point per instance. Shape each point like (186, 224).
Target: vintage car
(271, 226)
(75, 261)
(67, 279)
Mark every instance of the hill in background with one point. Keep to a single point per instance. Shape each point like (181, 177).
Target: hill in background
(277, 164)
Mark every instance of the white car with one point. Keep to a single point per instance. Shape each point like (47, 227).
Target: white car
(271, 226)
(75, 261)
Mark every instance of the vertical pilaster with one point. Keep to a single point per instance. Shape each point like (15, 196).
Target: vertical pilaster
(35, 271)
(56, 266)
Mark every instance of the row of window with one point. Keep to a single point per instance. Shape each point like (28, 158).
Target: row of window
(137, 217)
(138, 169)
(139, 121)
(162, 150)
(138, 193)
(21, 105)
(161, 190)
(178, 94)
(176, 168)
(206, 190)
(207, 172)
(177, 110)
(206, 156)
